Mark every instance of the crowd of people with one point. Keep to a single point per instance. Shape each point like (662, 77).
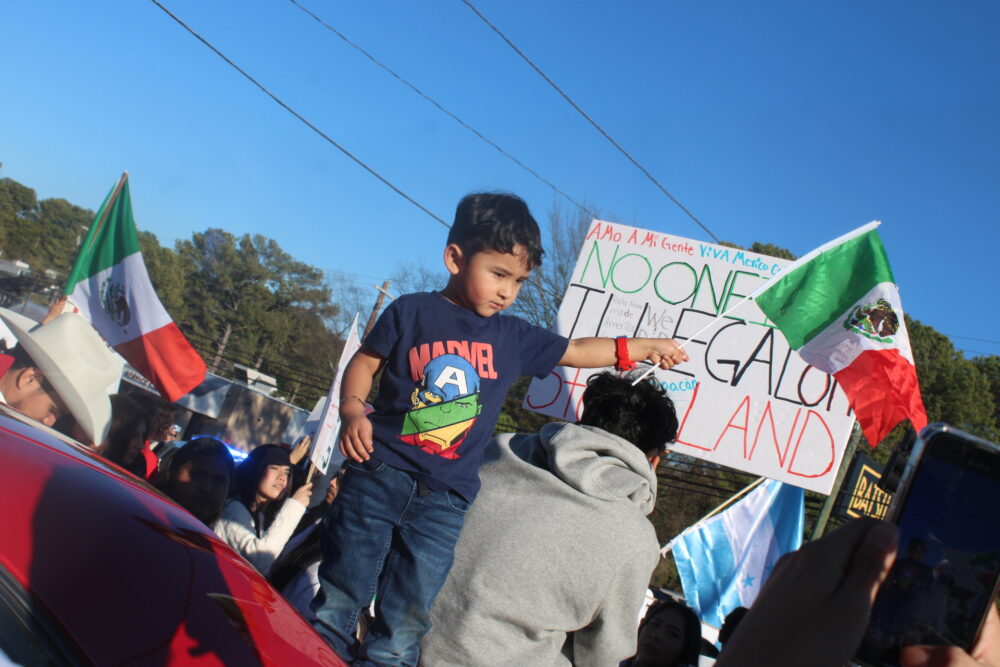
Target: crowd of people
(440, 544)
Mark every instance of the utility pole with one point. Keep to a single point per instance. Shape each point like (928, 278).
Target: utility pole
(382, 293)
(845, 463)
(220, 348)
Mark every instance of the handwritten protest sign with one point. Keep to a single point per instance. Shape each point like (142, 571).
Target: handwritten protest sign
(329, 426)
(745, 400)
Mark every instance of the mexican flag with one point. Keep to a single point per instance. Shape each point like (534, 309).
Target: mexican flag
(110, 286)
(839, 307)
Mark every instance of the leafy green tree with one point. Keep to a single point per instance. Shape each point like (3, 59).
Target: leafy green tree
(771, 250)
(19, 230)
(989, 366)
(763, 249)
(61, 227)
(16, 198)
(45, 233)
(168, 273)
(954, 389)
(260, 305)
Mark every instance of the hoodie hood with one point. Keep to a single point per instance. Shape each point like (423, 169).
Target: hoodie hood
(599, 464)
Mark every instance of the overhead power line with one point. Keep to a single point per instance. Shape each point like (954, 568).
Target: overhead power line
(443, 110)
(295, 113)
(590, 120)
(978, 340)
(978, 352)
(315, 129)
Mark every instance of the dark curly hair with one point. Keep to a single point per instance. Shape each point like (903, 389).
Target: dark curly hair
(496, 221)
(644, 414)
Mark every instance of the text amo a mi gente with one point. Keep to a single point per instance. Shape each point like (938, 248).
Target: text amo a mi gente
(647, 239)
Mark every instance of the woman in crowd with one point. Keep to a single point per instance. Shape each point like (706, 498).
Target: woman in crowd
(260, 516)
(150, 407)
(669, 636)
(199, 477)
(126, 435)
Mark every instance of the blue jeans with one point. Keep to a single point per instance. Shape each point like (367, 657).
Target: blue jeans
(384, 537)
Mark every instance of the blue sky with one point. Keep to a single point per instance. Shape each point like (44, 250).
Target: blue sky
(783, 122)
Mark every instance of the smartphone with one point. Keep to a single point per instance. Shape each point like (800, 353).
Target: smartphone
(946, 573)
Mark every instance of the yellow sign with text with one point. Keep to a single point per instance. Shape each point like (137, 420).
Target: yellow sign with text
(867, 499)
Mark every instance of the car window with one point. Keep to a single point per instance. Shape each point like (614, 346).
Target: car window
(28, 634)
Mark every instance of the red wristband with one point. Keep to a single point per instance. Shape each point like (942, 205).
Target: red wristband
(623, 362)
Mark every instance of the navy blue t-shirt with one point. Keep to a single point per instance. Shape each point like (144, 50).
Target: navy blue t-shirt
(446, 375)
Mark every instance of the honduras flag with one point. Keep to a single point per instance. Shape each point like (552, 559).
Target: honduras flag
(724, 561)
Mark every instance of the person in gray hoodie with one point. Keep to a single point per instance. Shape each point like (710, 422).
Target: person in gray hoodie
(556, 553)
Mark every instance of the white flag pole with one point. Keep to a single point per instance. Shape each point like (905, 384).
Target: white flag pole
(751, 295)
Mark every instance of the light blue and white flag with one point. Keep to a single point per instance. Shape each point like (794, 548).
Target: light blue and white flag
(724, 560)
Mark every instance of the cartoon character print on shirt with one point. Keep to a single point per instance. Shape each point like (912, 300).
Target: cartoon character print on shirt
(445, 406)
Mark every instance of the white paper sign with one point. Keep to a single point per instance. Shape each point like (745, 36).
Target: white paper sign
(329, 426)
(745, 400)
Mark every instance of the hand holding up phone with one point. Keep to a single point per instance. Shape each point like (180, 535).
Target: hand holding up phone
(946, 575)
(814, 608)
(985, 652)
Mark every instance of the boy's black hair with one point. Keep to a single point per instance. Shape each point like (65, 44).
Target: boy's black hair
(496, 221)
(644, 414)
(692, 627)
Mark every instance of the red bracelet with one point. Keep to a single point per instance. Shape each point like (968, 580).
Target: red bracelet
(623, 362)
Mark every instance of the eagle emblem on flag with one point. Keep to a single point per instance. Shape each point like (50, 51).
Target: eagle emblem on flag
(115, 303)
(877, 321)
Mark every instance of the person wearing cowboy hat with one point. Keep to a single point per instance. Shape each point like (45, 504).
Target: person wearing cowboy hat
(61, 367)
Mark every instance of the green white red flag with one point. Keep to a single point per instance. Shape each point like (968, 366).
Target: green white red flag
(111, 288)
(839, 307)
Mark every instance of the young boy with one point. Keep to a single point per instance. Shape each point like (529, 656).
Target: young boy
(447, 361)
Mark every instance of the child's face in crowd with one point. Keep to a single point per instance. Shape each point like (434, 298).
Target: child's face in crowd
(201, 486)
(273, 483)
(486, 282)
(662, 638)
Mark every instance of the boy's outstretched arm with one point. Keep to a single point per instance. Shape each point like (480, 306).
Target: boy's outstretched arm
(600, 352)
(356, 430)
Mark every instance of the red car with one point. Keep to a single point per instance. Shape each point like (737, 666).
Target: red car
(96, 567)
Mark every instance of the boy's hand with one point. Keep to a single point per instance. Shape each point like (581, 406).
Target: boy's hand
(356, 438)
(662, 352)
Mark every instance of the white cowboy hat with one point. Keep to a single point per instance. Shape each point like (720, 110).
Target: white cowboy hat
(77, 363)
(22, 321)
